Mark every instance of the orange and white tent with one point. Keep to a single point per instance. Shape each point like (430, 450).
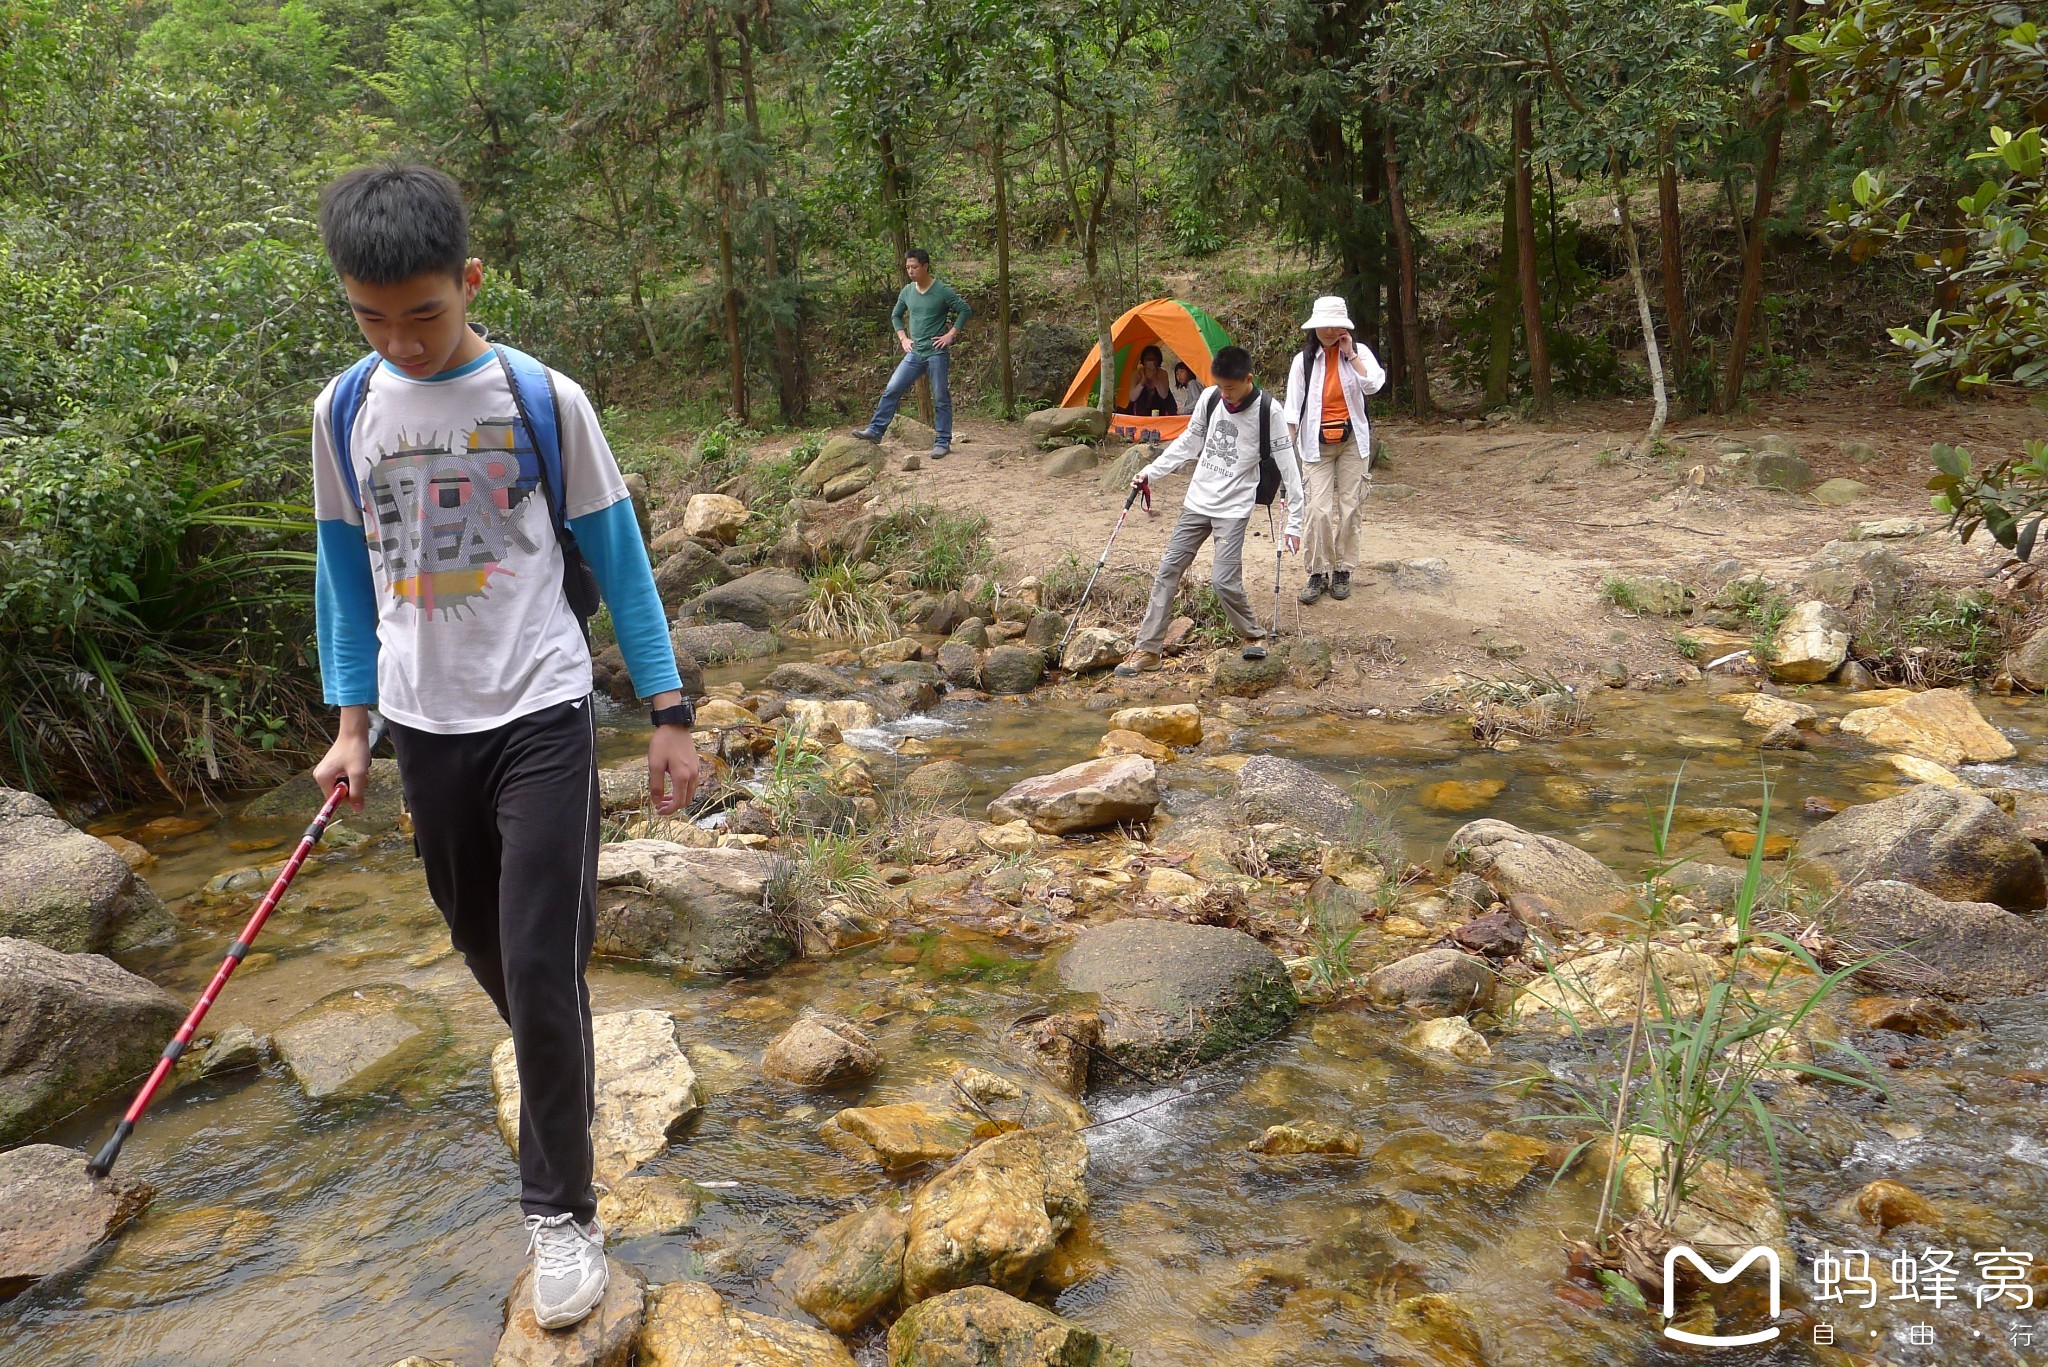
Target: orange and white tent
(1181, 331)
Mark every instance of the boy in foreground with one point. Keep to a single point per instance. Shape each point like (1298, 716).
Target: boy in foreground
(443, 596)
(1224, 430)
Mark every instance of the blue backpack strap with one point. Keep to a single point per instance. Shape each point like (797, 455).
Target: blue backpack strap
(349, 392)
(533, 392)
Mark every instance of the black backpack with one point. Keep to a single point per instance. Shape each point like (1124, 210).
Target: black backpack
(1269, 469)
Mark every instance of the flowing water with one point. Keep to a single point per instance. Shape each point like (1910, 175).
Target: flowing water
(295, 1233)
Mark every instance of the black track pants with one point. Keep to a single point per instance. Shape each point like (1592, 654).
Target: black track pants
(506, 823)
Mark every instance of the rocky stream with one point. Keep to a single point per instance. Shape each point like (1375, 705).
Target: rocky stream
(1166, 1025)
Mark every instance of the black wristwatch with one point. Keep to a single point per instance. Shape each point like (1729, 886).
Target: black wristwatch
(682, 714)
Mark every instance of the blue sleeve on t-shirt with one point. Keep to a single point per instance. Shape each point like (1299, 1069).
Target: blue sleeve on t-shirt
(610, 540)
(345, 615)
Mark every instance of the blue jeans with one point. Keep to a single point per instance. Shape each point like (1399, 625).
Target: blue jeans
(907, 371)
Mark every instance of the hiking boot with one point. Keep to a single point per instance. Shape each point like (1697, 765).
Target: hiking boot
(1139, 662)
(1313, 589)
(569, 1272)
(1340, 585)
(939, 450)
(865, 434)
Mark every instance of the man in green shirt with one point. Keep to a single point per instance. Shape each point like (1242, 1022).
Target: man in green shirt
(928, 317)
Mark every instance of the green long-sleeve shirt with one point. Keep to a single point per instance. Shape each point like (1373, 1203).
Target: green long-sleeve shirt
(928, 314)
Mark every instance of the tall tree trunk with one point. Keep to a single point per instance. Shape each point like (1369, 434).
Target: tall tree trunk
(1507, 294)
(896, 204)
(1404, 244)
(1651, 354)
(1671, 250)
(728, 281)
(1002, 179)
(1753, 253)
(789, 364)
(1083, 224)
(1532, 301)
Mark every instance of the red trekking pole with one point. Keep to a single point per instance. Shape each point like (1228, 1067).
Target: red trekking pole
(103, 1163)
(1142, 487)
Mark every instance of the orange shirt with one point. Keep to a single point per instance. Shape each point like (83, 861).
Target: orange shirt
(1335, 414)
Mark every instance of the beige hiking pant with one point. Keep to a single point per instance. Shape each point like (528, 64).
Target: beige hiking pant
(1334, 486)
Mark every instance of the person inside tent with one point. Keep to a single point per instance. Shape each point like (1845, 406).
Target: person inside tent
(1184, 387)
(1151, 391)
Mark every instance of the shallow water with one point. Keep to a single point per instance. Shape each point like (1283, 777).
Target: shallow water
(289, 1232)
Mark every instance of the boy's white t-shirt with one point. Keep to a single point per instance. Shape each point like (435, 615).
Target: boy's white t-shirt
(473, 628)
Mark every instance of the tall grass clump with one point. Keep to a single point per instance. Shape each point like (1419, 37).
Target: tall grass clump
(844, 607)
(1680, 1081)
(940, 548)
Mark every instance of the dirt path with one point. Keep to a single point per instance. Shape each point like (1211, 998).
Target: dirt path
(1525, 518)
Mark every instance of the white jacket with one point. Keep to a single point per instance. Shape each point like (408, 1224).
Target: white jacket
(1226, 479)
(1362, 377)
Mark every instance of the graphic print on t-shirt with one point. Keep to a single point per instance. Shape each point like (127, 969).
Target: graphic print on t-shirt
(445, 514)
(1219, 449)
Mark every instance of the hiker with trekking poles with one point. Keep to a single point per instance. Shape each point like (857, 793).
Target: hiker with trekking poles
(1238, 440)
(469, 517)
(1327, 387)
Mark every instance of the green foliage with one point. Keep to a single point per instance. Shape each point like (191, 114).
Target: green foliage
(843, 607)
(1957, 77)
(941, 548)
(1692, 1070)
(2008, 500)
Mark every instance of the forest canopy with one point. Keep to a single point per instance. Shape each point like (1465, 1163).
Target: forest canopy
(711, 197)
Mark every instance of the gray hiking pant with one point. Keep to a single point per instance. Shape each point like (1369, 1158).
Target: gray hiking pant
(1226, 575)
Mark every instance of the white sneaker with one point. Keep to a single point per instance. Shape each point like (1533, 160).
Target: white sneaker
(569, 1271)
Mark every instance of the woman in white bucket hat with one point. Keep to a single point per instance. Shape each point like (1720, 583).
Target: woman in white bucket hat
(1326, 389)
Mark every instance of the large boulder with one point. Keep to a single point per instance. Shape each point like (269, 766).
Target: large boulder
(1436, 982)
(1173, 995)
(994, 1216)
(1012, 669)
(1941, 724)
(1963, 951)
(764, 599)
(646, 1090)
(1175, 724)
(297, 799)
(805, 679)
(1855, 576)
(1513, 860)
(53, 1215)
(978, 1326)
(1596, 990)
(719, 642)
(851, 1270)
(1093, 649)
(1810, 644)
(841, 456)
(604, 1339)
(1083, 797)
(1050, 424)
(820, 1051)
(1046, 356)
(2028, 665)
(1232, 675)
(691, 570)
(714, 517)
(68, 890)
(690, 1325)
(704, 910)
(72, 1028)
(1956, 844)
(1273, 789)
(360, 1040)
(939, 781)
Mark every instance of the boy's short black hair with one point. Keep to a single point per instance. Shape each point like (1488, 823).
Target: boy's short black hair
(919, 255)
(384, 224)
(1232, 363)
